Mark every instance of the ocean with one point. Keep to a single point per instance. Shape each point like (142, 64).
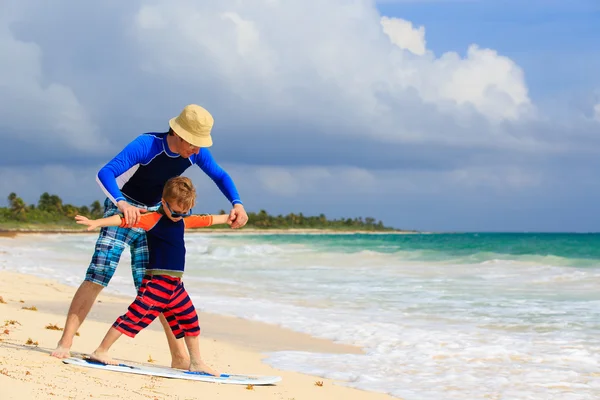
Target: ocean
(439, 316)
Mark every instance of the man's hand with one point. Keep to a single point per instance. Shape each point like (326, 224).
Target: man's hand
(237, 217)
(131, 213)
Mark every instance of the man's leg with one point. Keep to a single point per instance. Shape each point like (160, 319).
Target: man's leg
(107, 253)
(80, 307)
(139, 260)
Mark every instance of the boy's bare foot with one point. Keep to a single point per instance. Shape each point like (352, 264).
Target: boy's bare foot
(102, 357)
(199, 366)
(61, 351)
(180, 362)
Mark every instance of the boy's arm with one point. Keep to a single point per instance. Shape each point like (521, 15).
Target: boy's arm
(146, 222)
(203, 221)
(114, 220)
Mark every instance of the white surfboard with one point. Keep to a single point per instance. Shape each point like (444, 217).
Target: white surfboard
(165, 372)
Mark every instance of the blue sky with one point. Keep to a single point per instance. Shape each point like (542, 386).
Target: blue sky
(485, 120)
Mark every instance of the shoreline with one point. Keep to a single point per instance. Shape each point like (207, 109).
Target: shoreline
(243, 231)
(228, 343)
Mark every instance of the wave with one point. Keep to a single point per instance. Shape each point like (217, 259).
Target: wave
(572, 250)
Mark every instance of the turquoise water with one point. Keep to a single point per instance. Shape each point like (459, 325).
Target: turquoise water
(439, 316)
(564, 248)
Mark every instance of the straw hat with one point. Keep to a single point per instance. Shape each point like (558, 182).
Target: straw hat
(193, 125)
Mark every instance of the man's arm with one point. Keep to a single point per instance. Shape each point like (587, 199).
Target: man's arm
(207, 163)
(133, 154)
(237, 216)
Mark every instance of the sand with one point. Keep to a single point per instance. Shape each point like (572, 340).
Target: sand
(27, 371)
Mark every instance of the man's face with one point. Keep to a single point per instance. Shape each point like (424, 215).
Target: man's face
(184, 149)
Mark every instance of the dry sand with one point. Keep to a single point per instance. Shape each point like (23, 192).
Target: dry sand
(27, 371)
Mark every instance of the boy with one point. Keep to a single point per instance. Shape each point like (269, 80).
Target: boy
(162, 290)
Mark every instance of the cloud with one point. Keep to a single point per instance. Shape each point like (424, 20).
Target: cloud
(403, 35)
(259, 67)
(346, 64)
(310, 98)
(75, 185)
(36, 112)
(597, 112)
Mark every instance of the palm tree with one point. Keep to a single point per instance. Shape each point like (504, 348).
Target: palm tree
(44, 202)
(17, 205)
(96, 208)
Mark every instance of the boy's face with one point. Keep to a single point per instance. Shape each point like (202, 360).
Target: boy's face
(174, 211)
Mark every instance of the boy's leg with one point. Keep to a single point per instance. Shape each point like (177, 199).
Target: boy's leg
(139, 260)
(143, 310)
(196, 363)
(101, 353)
(140, 313)
(179, 354)
(109, 246)
(185, 322)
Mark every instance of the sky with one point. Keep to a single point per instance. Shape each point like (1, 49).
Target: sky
(434, 115)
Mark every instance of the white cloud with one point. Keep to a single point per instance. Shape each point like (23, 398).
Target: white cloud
(403, 35)
(597, 112)
(296, 57)
(493, 84)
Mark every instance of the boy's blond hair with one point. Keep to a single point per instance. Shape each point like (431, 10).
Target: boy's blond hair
(181, 191)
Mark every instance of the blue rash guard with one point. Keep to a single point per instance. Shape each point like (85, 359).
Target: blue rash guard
(140, 171)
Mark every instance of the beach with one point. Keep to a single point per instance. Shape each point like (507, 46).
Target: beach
(27, 371)
(413, 317)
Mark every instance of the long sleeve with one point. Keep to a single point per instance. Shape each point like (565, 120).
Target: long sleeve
(198, 221)
(133, 154)
(147, 221)
(207, 163)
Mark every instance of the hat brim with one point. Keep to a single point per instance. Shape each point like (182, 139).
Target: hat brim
(188, 137)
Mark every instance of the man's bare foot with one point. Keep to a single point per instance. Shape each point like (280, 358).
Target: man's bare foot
(180, 362)
(199, 366)
(61, 352)
(102, 357)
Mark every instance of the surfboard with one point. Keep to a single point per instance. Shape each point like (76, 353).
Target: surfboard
(235, 379)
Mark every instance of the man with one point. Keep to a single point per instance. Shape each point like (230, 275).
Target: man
(133, 182)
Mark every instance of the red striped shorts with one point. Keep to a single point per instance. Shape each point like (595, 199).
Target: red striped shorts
(160, 294)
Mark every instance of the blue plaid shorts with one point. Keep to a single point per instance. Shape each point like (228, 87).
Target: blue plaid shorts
(111, 243)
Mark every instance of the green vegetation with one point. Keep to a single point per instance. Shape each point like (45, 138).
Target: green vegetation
(51, 213)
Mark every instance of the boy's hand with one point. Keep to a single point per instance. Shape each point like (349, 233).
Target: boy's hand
(80, 219)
